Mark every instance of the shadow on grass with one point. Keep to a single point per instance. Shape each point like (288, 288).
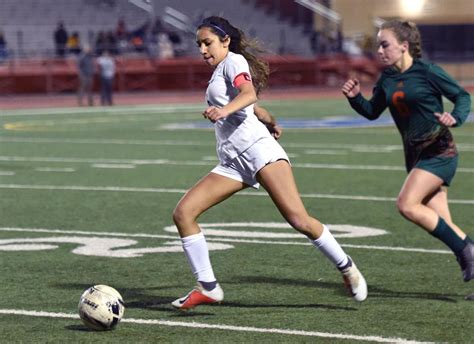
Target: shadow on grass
(382, 293)
(374, 291)
(80, 328)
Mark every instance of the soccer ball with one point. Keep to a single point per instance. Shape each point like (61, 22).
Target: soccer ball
(101, 307)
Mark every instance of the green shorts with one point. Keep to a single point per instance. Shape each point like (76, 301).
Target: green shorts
(443, 167)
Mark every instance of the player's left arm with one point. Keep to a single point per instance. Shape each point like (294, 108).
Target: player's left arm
(270, 122)
(449, 88)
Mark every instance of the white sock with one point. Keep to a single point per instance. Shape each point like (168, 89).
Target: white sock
(328, 245)
(195, 248)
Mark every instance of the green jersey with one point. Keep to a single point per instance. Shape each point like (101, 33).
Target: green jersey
(412, 98)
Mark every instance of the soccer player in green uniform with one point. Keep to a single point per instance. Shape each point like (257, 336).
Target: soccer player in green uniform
(412, 89)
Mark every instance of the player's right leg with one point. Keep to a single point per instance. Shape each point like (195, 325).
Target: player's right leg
(209, 191)
(277, 178)
(424, 201)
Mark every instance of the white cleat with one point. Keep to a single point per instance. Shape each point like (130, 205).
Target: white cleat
(354, 282)
(199, 296)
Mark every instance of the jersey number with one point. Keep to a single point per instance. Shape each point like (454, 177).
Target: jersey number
(398, 100)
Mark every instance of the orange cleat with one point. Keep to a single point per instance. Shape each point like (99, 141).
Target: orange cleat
(199, 296)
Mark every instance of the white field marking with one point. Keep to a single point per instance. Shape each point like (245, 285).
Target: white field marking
(109, 141)
(304, 242)
(350, 167)
(7, 173)
(325, 152)
(205, 163)
(182, 191)
(54, 169)
(98, 247)
(116, 110)
(39, 124)
(118, 166)
(196, 325)
(339, 230)
(361, 148)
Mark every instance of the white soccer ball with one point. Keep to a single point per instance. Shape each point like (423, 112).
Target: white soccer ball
(101, 307)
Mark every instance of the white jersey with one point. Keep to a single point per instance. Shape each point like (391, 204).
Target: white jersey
(107, 67)
(240, 130)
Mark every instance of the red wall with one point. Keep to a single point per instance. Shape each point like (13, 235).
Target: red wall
(53, 75)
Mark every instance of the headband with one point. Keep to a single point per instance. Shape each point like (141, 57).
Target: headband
(217, 28)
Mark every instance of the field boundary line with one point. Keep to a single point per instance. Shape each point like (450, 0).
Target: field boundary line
(116, 110)
(197, 325)
(204, 163)
(182, 191)
(217, 239)
(309, 145)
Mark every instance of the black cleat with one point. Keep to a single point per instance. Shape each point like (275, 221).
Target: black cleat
(466, 260)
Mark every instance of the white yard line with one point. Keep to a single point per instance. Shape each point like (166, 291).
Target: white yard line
(308, 145)
(205, 163)
(182, 191)
(117, 110)
(217, 239)
(196, 325)
(54, 169)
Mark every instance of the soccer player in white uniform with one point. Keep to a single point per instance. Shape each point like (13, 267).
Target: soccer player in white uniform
(248, 155)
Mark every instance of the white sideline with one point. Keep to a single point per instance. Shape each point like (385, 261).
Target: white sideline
(182, 191)
(204, 163)
(197, 325)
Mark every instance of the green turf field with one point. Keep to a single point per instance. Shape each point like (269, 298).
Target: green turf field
(87, 196)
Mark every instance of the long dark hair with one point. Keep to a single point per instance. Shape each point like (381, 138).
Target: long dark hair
(405, 31)
(240, 44)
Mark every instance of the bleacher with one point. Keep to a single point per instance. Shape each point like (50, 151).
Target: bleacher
(29, 24)
(281, 25)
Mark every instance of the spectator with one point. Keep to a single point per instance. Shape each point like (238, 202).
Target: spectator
(177, 43)
(165, 47)
(100, 43)
(121, 34)
(60, 39)
(107, 72)
(85, 68)
(121, 30)
(3, 47)
(140, 36)
(111, 43)
(158, 26)
(74, 44)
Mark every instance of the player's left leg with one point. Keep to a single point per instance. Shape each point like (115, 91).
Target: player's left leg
(439, 203)
(423, 202)
(277, 178)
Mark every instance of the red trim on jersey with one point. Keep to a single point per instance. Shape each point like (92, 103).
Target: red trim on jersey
(242, 78)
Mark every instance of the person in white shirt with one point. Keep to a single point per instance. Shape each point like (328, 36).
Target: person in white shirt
(248, 155)
(107, 73)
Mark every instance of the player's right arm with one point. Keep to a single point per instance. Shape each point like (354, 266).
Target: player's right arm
(370, 109)
(351, 88)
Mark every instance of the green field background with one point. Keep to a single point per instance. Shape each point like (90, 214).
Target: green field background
(415, 296)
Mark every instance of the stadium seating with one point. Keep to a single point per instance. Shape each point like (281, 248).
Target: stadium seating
(29, 24)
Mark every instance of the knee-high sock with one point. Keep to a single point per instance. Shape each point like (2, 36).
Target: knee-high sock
(328, 245)
(195, 248)
(447, 235)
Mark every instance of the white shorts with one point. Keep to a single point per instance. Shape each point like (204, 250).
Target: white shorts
(244, 168)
